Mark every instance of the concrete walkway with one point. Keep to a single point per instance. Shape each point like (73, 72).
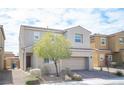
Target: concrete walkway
(112, 70)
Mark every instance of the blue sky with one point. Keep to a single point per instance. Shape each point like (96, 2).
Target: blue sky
(97, 20)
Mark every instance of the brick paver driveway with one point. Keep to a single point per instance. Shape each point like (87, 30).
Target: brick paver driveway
(16, 77)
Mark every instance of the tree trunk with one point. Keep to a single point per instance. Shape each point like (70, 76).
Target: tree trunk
(57, 73)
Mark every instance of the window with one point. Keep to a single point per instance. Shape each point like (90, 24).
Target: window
(103, 41)
(102, 57)
(109, 58)
(79, 38)
(48, 61)
(36, 36)
(121, 40)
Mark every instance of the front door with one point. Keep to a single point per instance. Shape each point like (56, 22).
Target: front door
(28, 61)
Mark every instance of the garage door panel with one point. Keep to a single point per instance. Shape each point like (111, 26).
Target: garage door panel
(74, 63)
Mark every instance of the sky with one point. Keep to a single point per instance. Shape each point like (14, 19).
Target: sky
(96, 20)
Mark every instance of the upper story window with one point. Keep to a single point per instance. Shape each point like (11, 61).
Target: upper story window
(79, 38)
(36, 36)
(121, 40)
(103, 41)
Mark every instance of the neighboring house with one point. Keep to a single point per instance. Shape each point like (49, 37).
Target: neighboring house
(101, 51)
(116, 44)
(107, 48)
(2, 38)
(11, 61)
(81, 51)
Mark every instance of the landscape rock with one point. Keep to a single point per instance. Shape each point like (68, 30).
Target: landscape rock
(36, 73)
(67, 78)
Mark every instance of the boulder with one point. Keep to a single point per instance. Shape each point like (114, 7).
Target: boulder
(67, 78)
(36, 73)
(76, 77)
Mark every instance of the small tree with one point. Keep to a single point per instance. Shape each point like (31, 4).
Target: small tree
(54, 47)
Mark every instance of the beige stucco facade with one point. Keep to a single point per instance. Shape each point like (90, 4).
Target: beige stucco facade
(2, 38)
(81, 52)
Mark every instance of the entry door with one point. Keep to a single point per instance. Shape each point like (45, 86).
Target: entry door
(28, 61)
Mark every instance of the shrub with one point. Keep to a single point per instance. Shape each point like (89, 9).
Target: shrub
(31, 80)
(76, 77)
(119, 73)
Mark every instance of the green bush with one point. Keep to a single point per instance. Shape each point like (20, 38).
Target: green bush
(31, 80)
(119, 73)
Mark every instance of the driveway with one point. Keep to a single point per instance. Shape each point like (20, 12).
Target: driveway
(6, 77)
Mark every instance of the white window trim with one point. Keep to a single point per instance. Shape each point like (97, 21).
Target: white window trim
(81, 38)
(110, 58)
(103, 39)
(36, 34)
(49, 62)
(122, 39)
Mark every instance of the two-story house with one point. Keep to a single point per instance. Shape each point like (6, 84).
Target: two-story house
(2, 38)
(108, 48)
(101, 51)
(116, 44)
(80, 41)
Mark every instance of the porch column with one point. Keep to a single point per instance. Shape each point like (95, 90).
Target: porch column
(24, 60)
(1, 60)
(90, 63)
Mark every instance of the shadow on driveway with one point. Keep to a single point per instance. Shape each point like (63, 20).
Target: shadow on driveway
(6, 77)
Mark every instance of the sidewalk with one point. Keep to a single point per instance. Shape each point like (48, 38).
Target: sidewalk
(112, 70)
(94, 81)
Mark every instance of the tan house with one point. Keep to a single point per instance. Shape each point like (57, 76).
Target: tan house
(2, 38)
(116, 44)
(81, 50)
(101, 50)
(11, 61)
(107, 48)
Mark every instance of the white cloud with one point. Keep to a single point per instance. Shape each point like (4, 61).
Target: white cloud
(90, 19)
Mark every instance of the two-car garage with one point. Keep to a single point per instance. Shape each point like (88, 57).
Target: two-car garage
(76, 63)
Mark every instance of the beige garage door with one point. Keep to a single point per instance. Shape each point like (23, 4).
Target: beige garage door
(74, 63)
